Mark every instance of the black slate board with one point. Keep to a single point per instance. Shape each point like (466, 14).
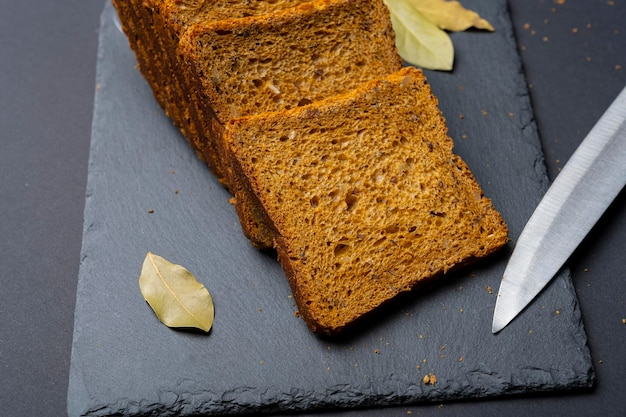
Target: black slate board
(259, 357)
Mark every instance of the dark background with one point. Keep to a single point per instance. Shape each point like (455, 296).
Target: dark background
(574, 54)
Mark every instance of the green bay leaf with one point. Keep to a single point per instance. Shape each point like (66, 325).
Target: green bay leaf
(175, 295)
(419, 41)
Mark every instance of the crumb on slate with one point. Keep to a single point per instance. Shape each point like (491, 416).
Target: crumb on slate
(430, 379)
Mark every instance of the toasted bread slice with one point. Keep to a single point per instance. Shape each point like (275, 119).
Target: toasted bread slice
(364, 196)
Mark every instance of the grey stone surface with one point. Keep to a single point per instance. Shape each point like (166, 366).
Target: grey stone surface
(259, 357)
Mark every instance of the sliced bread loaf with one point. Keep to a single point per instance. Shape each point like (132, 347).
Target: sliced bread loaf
(364, 196)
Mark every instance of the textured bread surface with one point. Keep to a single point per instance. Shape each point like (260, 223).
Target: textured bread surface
(364, 196)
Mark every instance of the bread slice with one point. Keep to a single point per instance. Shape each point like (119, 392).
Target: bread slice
(364, 196)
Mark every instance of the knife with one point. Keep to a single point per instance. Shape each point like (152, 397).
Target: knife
(589, 182)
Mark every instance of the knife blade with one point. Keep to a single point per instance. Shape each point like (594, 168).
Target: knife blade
(591, 179)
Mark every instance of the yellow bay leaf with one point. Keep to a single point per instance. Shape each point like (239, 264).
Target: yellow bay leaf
(450, 15)
(175, 295)
(419, 41)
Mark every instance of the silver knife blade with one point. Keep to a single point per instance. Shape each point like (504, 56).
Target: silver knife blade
(580, 194)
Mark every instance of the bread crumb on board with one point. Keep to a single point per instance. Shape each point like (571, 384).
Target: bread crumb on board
(430, 379)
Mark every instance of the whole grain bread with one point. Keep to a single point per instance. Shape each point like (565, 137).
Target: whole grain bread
(364, 196)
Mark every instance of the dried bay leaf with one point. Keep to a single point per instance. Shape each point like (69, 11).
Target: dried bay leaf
(419, 41)
(176, 297)
(451, 15)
